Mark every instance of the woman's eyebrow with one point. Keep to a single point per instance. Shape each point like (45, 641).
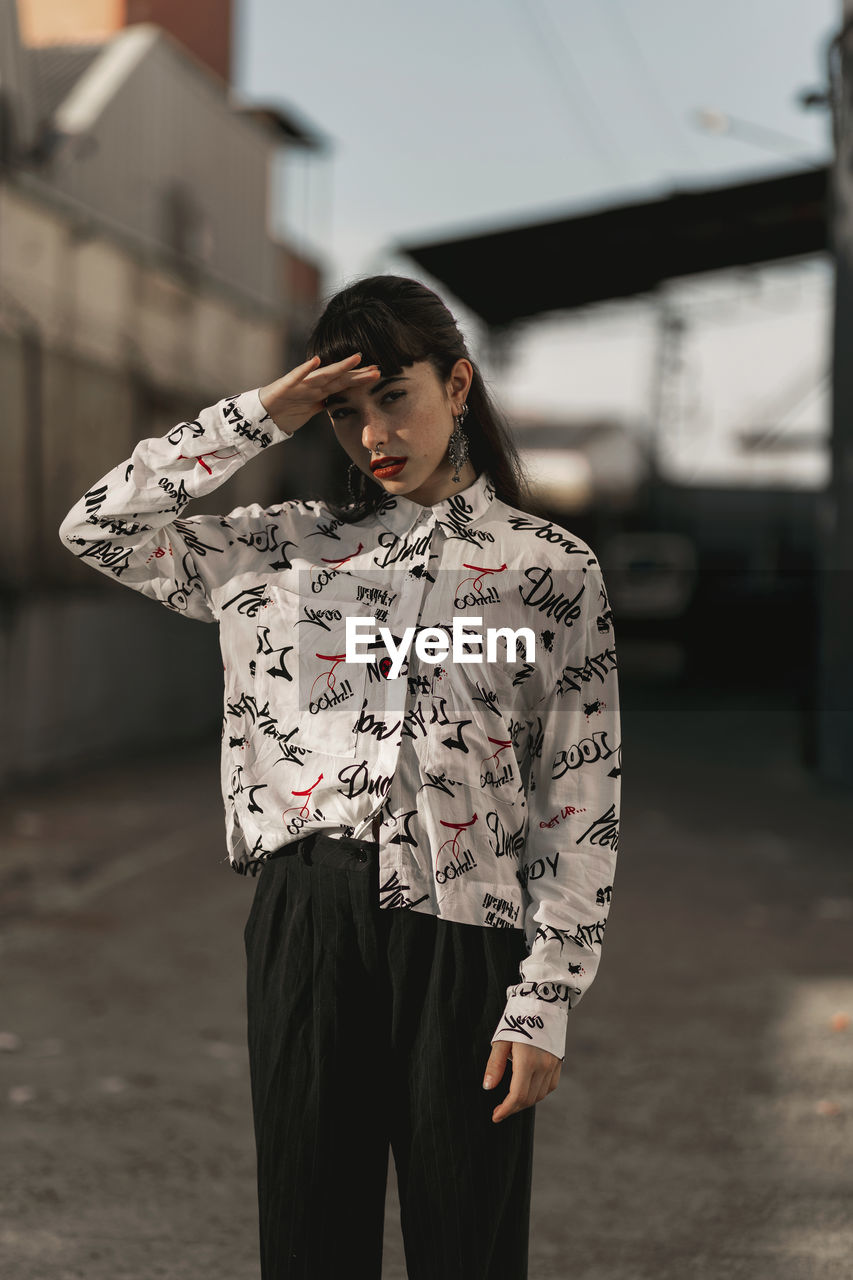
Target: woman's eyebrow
(340, 397)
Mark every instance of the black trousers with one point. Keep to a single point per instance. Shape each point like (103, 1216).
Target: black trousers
(372, 1026)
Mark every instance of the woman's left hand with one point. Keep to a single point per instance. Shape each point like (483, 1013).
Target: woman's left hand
(535, 1074)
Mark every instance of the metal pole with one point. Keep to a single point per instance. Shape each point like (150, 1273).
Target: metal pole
(834, 677)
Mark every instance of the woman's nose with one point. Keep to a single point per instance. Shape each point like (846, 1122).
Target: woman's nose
(372, 434)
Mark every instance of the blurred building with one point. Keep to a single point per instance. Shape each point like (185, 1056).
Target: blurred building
(140, 280)
(584, 465)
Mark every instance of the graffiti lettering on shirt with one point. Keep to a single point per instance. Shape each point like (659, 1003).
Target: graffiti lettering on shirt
(487, 698)
(94, 500)
(556, 537)
(537, 868)
(566, 812)
(375, 595)
(501, 905)
(248, 601)
(419, 684)
(109, 554)
(178, 599)
(520, 1022)
(263, 540)
(439, 782)
(604, 894)
(505, 844)
(397, 549)
(118, 528)
(297, 821)
(452, 870)
(178, 493)
(604, 831)
(543, 595)
(496, 921)
(267, 650)
(326, 529)
(458, 519)
(238, 788)
(319, 617)
(516, 729)
(325, 699)
(414, 720)
(368, 723)
(392, 893)
(471, 599)
(547, 933)
(246, 705)
(193, 542)
(598, 666)
(589, 935)
(357, 780)
(322, 578)
(535, 739)
(550, 992)
(588, 751)
(522, 674)
(439, 716)
(497, 778)
(195, 429)
(263, 438)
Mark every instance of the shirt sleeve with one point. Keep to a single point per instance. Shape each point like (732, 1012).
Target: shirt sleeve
(568, 861)
(127, 524)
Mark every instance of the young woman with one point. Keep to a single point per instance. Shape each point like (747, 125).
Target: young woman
(429, 801)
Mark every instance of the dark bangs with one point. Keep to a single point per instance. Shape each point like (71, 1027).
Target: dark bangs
(375, 330)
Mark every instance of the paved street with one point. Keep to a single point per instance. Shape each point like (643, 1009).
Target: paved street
(702, 1128)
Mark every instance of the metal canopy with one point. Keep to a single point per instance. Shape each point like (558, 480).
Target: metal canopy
(569, 262)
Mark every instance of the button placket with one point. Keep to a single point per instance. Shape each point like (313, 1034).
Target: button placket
(409, 605)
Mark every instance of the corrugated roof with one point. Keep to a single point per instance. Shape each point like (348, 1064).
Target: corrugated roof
(511, 273)
(56, 69)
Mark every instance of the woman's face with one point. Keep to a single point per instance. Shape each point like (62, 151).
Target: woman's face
(406, 416)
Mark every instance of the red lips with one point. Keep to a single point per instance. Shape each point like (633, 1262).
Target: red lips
(385, 462)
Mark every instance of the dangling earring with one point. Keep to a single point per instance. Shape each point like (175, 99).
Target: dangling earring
(359, 496)
(457, 445)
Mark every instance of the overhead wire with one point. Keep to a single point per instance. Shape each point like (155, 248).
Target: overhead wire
(568, 79)
(635, 54)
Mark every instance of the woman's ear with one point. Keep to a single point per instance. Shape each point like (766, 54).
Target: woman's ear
(461, 377)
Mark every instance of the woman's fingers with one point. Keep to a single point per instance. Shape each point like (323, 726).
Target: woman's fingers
(301, 393)
(331, 378)
(326, 386)
(303, 371)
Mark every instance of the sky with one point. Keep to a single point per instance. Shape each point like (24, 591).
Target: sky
(464, 115)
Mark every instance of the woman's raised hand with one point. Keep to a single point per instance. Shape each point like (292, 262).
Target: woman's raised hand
(292, 400)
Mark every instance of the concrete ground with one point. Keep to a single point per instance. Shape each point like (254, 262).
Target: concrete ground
(702, 1127)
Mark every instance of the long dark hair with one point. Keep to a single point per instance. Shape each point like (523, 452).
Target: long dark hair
(394, 321)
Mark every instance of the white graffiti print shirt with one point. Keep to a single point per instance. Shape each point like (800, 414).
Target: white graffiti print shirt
(497, 781)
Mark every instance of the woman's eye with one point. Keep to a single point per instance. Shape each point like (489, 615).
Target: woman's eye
(338, 414)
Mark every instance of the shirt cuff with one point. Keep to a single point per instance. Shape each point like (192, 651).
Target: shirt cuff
(248, 423)
(538, 1017)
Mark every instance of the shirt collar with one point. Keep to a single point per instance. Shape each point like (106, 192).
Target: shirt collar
(398, 513)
